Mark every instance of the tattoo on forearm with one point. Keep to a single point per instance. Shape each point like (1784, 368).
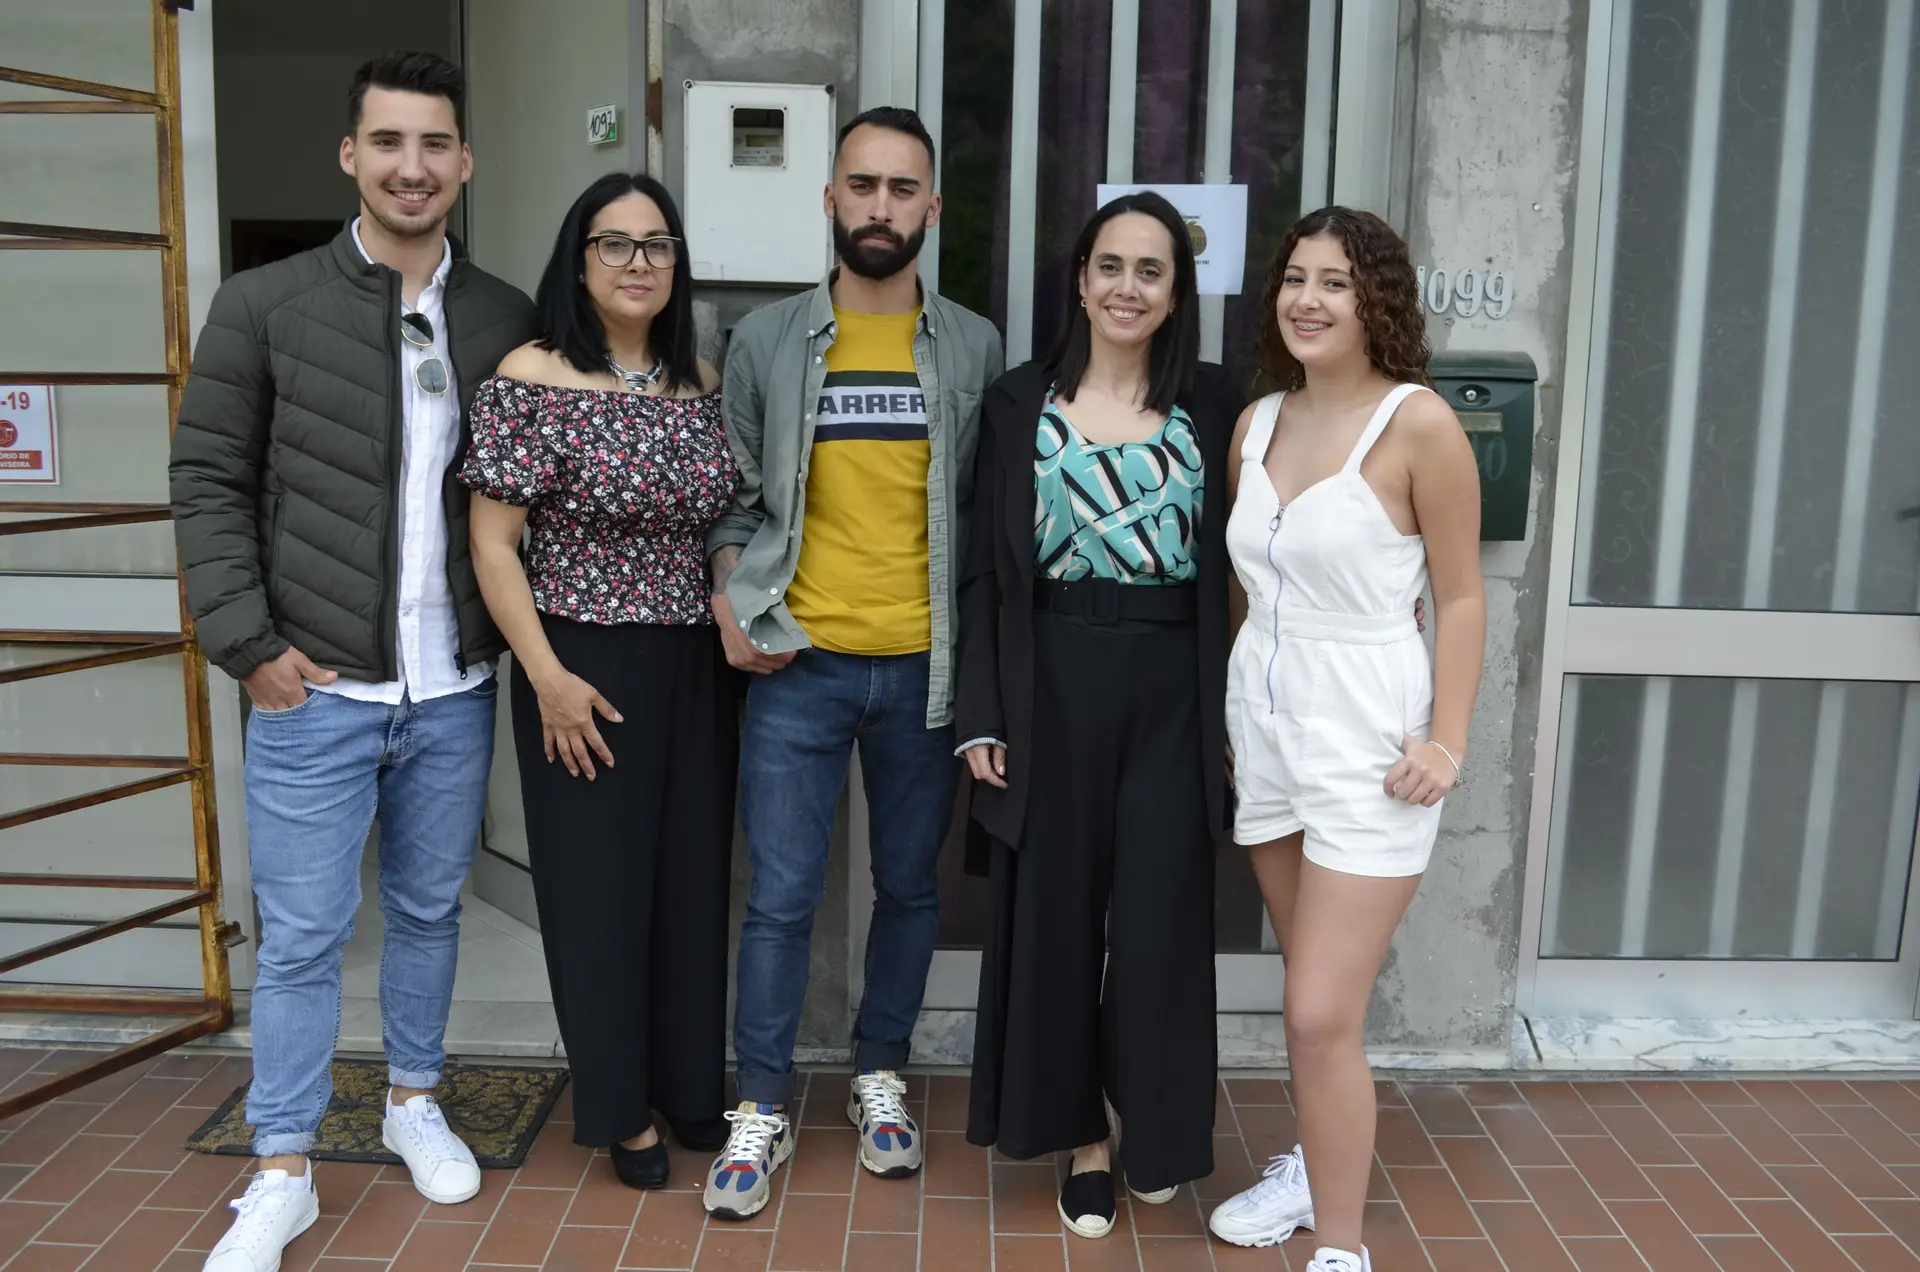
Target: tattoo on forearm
(723, 563)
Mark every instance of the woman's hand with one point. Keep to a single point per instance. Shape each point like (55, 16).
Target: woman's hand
(988, 761)
(1424, 774)
(567, 707)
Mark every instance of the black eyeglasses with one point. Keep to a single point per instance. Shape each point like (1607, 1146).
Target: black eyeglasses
(430, 375)
(616, 250)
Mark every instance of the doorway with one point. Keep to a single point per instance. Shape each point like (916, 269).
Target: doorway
(280, 73)
(1033, 104)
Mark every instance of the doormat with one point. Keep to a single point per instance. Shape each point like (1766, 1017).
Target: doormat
(496, 1109)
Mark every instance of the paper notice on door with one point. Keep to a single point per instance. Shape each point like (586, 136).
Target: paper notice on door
(1216, 217)
(28, 451)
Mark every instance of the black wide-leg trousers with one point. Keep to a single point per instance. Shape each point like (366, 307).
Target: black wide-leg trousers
(1097, 977)
(630, 874)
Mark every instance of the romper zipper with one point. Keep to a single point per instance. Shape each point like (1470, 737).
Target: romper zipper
(1273, 535)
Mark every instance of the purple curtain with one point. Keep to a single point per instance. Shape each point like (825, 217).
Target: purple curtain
(1073, 148)
(1171, 116)
(1269, 118)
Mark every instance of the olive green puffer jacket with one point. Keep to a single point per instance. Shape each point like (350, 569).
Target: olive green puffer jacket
(285, 474)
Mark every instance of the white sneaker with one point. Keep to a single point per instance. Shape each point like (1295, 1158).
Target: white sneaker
(271, 1213)
(443, 1168)
(1328, 1259)
(1267, 1213)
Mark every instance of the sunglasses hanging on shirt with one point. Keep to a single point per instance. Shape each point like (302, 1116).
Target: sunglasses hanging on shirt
(431, 374)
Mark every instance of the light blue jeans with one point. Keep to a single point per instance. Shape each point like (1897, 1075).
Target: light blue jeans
(317, 775)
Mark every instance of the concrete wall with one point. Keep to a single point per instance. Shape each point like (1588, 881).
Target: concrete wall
(534, 71)
(1495, 130)
(759, 41)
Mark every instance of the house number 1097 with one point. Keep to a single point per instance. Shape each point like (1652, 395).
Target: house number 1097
(1467, 293)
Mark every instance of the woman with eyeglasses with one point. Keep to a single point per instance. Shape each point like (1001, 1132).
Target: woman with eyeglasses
(604, 438)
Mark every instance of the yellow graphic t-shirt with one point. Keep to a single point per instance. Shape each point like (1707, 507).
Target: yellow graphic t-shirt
(861, 585)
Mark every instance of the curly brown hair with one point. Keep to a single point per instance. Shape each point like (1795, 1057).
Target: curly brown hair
(1388, 294)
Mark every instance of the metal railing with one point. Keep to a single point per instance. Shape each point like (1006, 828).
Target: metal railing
(211, 1010)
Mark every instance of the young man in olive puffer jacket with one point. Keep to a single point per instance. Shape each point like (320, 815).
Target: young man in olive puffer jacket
(324, 545)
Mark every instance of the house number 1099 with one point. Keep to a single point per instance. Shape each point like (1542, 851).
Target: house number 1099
(1466, 293)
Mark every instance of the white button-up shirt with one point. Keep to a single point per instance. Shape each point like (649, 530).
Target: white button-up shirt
(429, 632)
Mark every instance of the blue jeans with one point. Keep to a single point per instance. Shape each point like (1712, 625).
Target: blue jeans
(317, 774)
(801, 725)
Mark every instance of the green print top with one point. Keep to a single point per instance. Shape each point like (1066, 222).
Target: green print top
(1129, 512)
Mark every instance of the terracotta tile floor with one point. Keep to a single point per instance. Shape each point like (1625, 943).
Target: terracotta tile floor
(1475, 1177)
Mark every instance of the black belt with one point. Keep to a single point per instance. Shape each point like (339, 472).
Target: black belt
(1109, 600)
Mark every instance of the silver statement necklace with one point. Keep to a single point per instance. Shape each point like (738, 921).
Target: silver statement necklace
(637, 381)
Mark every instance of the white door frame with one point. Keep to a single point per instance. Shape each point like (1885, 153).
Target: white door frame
(902, 63)
(1671, 642)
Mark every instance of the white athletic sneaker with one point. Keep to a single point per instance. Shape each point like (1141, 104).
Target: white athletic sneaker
(443, 1168)
(274, 1210)
(1267, 1213)
(1328, 1259)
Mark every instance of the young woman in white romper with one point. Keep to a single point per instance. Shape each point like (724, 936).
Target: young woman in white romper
(1350, 490)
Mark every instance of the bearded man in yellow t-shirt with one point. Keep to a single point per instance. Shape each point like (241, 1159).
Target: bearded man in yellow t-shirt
(853, 412)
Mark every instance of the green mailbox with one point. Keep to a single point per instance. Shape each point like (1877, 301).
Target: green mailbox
(1492, 393)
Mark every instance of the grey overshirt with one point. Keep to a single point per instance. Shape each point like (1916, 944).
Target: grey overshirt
(776, 365)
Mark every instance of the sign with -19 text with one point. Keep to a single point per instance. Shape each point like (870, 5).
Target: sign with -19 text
(28, 454)
(1216, 218)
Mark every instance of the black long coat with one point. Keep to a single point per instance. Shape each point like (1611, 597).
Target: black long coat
(994, 682)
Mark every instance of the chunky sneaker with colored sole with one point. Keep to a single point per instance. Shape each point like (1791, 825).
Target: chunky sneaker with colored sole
(442, 1166)
(1267, 1213)
(741, 1180)
(1328, 1259)
(273, 1211)
(889, 1141)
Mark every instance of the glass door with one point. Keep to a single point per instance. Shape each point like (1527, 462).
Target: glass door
(1729, 769)
(1034, 103)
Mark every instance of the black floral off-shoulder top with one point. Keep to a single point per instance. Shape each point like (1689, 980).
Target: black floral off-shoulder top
(620, 490)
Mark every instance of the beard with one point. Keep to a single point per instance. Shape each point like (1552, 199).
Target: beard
(876, 257)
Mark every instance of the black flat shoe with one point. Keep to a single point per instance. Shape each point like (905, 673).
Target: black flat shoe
(701, 1134)
(641, 1167)
(1086, 1203)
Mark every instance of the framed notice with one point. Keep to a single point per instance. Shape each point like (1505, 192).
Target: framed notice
(1216, 217)
(29, 454)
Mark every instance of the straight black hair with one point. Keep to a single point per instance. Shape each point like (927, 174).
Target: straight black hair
(1175, 351)
(569, 323)
(898, 118)
(406, 72)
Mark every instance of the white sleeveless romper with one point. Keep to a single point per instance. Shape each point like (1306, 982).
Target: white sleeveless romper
(1329, 671)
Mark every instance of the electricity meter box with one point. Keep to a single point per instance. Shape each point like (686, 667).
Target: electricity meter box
(758, 157)
(1492, 393)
